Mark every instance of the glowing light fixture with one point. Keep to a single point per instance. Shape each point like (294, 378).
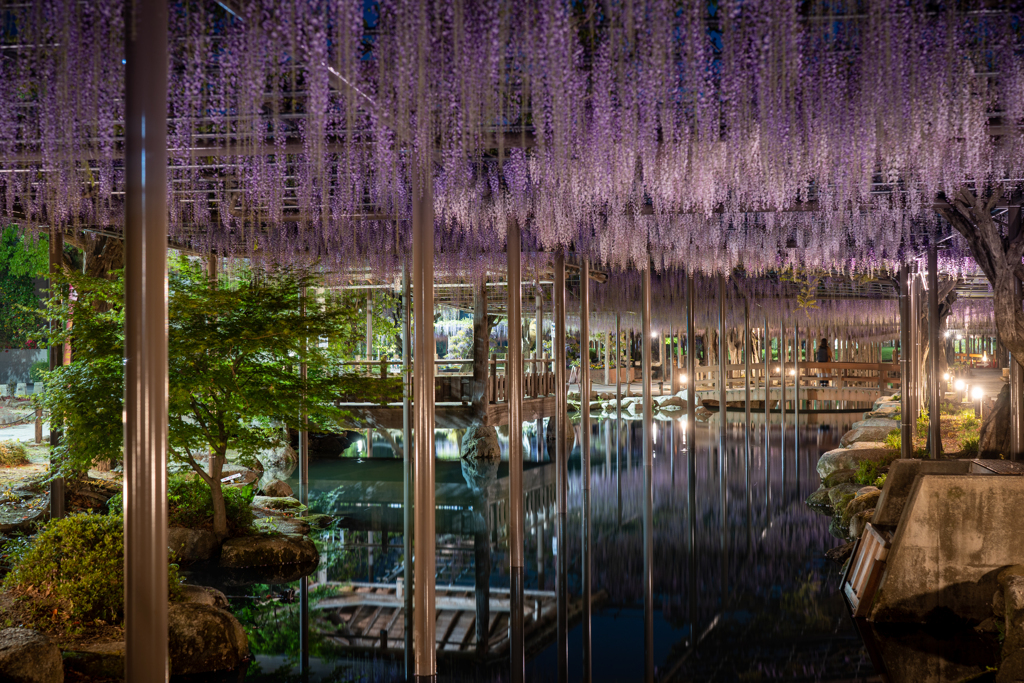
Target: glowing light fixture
(958, 385)
(977, 393)
(945, 376)
(682, 378)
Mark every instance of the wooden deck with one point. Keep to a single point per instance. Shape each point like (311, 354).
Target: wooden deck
(370, 617)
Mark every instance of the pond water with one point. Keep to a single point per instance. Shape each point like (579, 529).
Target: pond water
(753, 598)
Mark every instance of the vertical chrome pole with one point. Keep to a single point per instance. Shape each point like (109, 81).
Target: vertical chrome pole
(722, 361)
(514, 396)
(648, 519)
(767, 413)
(934, 398)
(304, 499)
(746, 392)
(407, 461)
(691, 398)
(55, 356)
(145, 400)
(1016, 372)
(618, 418)
(561, 468)
(782, 400)
(538, 353)
(424, 537)
(585, 458)
(796, 406)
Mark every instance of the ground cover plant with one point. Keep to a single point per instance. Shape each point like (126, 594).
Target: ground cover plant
(190, 504)
(71, 575)
(12, 454)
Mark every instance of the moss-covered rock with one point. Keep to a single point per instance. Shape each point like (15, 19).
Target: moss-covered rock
(263, 551)
(837, 493)
(28, 656)
(859, 521)
(202, 638)
(851, 458)
(819, 500)
(844, 476)
(859, 504)
(204, 595)
(273, 503)
(191, 545)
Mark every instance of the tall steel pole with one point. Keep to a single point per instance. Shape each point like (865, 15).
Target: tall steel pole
(1016, 372)
(561, 468)
(538, 353)
(407, 460)
(906, 400)
(424, 537)
(767, 414)
(691, 402)
(514, 396)
(648, 512)
(722, 361)
(746, 392)
(796, 407)
(934, 406)
(55, 356)
(585, 459)
(145, 403)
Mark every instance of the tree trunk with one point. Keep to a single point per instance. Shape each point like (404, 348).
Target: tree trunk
(220, 511)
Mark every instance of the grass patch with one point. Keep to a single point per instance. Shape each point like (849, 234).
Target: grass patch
(12, 454)
(72, 574)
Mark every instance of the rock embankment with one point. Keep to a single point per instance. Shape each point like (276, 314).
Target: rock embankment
(851, 503)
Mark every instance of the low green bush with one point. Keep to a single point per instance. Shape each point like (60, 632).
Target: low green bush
(74, 570)
(867, 473)
(189, 504)
(893, 440)
(35, 372)
(972, 446)
(12, 453)
(880, 482)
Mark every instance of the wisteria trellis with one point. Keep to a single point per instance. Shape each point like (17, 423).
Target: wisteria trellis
(684, 132)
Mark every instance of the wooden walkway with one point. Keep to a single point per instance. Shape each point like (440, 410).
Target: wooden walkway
(370, 617)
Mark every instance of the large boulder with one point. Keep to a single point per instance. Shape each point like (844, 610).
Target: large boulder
(279, 462)
(859, 522)
(837, 493)
(839, 477)
(277, 489)
(862, 502)
(885, 410)
(283, 504)
(670, 403)
(850, 459)
(28, 656)
(872, 433)
(820, 499)
(191, 545)
(202, 638)
(262, 551)
(204, 595)
(481, 456)
(888, 423)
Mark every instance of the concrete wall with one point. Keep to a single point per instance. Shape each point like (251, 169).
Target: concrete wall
(957, 532)
(899, 483)
(15, 364)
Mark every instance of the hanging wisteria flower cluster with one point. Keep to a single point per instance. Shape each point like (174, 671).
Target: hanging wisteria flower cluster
(746, 132)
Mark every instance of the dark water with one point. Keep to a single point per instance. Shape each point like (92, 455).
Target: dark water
(752, 599)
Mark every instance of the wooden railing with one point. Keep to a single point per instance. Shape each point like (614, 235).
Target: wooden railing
(456, 386)
(884, 377)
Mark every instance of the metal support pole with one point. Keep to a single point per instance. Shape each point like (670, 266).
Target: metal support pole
(673, 361)
(1016, 372)
(648, 512)
(906, 404)
(746, 391)
(782, 397)
(722, 360)
(691, 393)
(585, 460)
(796, 407)
(424, 537)
(514, 397)
(145, 404)
(538, 353)
(304, 499)
(767, 414)
(369, 325)
(934, 404)
(561, 468)
(55, 354)
(407, 460)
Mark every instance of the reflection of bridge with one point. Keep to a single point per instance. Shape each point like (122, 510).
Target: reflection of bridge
(453, 394)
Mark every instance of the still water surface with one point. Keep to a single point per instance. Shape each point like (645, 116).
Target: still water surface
(753, 598)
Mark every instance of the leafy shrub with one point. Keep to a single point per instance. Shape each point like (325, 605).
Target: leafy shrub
(894, 441)
(35, 372)
(972, 446)
(880, 482)
(12, 453)
(74, 569)
(189, 503)
(867, 473)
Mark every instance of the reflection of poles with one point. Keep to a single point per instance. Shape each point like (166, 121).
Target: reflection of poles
(796, 406)
(538, 353)
(648, 455)
(782, 400)
(585, 456)
(424, 620)
(721, 387)
(746, 388)
(561, 467)
(482, 576)
(691, 393)
(407, 452)
(145, 295)
(304, 499)
(514, 397)
(767, 415)
(618, 419)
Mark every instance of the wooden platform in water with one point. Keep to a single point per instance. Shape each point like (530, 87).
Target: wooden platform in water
(364, 610)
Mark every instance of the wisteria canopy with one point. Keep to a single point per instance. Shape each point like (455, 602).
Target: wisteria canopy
(695, 134)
